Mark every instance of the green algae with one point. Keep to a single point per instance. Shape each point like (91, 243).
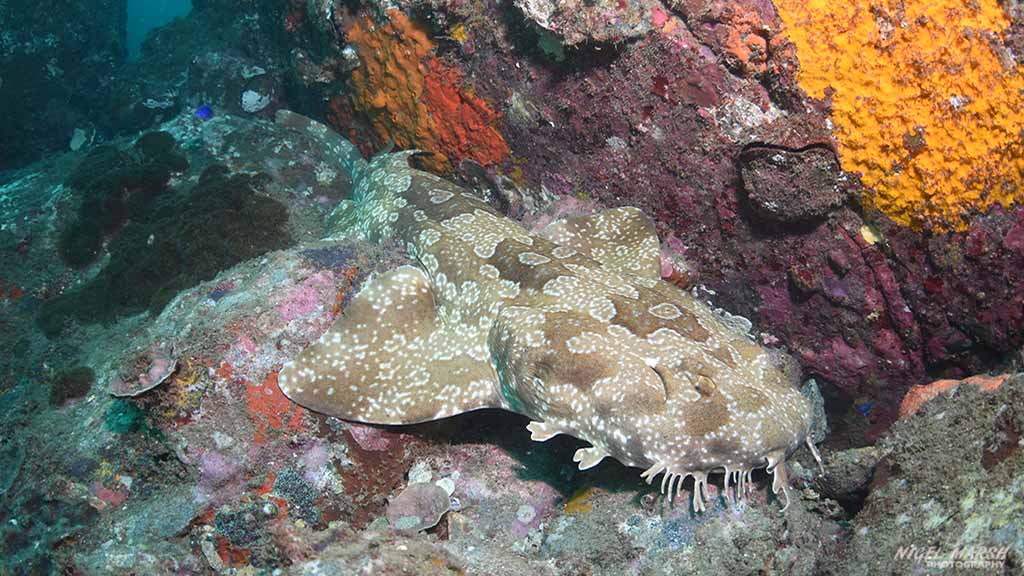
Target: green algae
(116, 186)
(173, 240)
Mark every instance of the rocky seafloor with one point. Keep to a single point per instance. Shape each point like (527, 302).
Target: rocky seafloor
(161, 263)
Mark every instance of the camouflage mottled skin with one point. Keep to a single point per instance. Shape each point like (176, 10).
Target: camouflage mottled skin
(572, 327)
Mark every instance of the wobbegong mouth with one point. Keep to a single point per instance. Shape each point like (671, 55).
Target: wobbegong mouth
(739, 479)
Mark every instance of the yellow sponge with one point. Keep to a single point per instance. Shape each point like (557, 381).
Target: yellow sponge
(926, 104)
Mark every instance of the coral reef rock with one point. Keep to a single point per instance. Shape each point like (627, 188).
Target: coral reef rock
(949, 488)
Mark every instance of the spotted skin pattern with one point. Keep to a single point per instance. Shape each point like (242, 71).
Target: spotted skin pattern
(572, 327)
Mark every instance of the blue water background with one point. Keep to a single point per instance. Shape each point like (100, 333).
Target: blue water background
(145, 15)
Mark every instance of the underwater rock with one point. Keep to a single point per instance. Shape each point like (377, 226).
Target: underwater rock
(792, 186)
(419, 507)
(199, 373)
(342, 551)
(574, 22)
(659, 539)
(72, 384)
(124, 417)
(952, 482)
(234, 83)
(962, 289)
(41, 521)
(12, 457)
(918, 395)
(227, 422)
(848, 474)
(47, 88)
(163, 516)
(180, 68)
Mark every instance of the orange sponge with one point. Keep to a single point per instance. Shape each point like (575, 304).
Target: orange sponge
(414, 100)
(925, 104)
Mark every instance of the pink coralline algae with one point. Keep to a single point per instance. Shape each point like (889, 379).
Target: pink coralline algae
(220, 478)
(303, 300)
(105, 497)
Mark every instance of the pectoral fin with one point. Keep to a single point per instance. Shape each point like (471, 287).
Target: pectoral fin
(389, 359)
(621, 238)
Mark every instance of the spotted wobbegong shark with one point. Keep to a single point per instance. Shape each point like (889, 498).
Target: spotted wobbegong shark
(572, 327)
